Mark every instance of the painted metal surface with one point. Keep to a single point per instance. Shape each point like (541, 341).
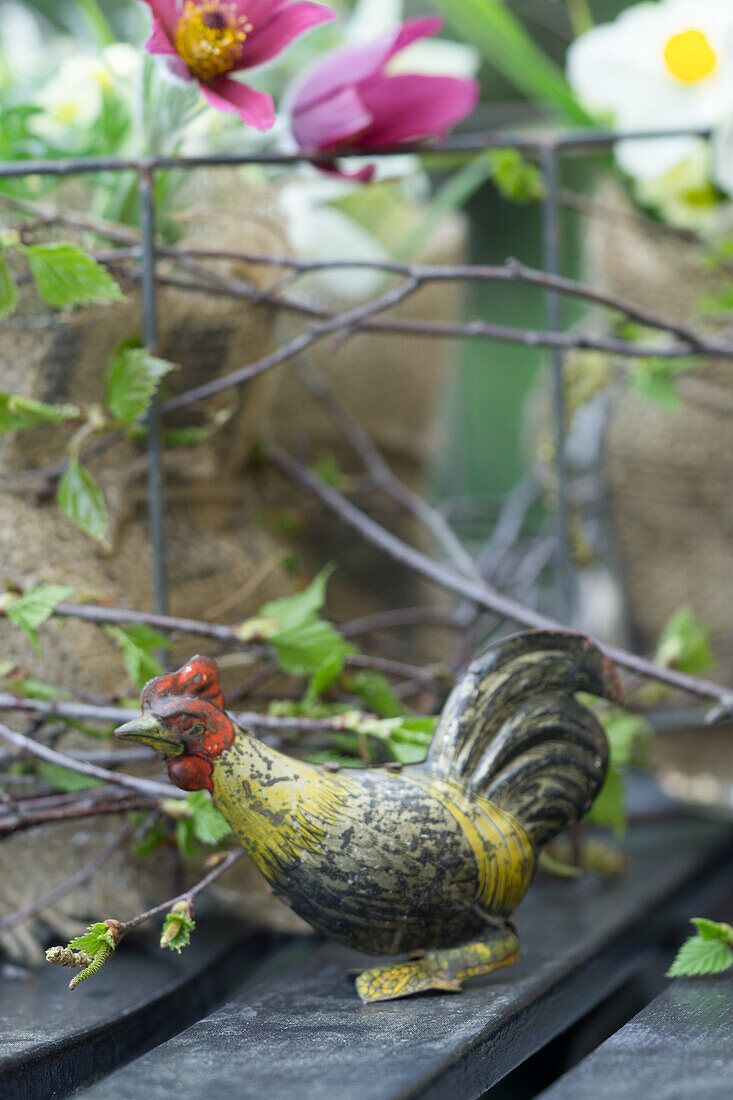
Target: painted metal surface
(429, 858)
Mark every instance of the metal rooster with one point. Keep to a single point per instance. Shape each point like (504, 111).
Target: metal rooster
(429, 860)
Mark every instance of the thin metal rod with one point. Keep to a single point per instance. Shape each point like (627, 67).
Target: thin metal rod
(528, 141)
(156, 515)
(552, 263)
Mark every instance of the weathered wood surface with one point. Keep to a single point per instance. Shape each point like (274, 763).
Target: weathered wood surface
(680, 1047)
(51, 1041)
(303, 1033)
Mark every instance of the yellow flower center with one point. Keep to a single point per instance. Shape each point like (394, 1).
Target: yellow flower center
(690, 57)
(209, 37)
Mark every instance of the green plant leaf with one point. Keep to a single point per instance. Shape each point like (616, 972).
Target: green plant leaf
(138, 645)
(95, 937)
(628, 735)
(66, 276)
(209, 826)
(18, 414)
(8, 289)
(609, 809)
(133, 376)
(293, 611)
(491, 26)
(713, 929)
(685, 643)
(80, 498)
(36, 605)
(699, 956)
(305, 644)
(65, 779)
(378, 694)
(516, 178)
(176, 931)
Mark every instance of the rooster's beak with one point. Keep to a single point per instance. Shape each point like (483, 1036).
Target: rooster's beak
(149, 731)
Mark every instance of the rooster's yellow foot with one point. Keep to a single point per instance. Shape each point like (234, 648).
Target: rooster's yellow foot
(440, 971)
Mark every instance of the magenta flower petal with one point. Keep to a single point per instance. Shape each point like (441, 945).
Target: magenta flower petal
(159, 41)
(332, 122)
(257, 12)
(167, 12)
(409, 107)
(351, 66)
(254, 108)
(288, 23)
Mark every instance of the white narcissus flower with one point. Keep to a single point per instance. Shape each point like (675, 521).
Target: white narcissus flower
(318, 230)
(72, 99)
(666, 65)
(684, 196)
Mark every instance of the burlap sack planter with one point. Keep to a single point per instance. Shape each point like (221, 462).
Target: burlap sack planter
(669, 478)
(213, 497)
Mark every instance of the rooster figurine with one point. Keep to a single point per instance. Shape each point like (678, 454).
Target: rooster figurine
(428, 860)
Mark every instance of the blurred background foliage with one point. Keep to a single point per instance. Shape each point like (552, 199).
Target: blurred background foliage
(485, 454)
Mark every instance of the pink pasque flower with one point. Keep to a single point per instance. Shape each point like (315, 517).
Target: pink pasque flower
(350, 98)
(205, 40)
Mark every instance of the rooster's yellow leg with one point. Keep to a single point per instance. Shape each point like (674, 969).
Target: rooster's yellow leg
(438, 970)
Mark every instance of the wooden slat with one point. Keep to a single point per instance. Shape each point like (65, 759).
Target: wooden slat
(680, 1046)
(304, 1034)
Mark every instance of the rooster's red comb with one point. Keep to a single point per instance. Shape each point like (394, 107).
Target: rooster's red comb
(198, 677)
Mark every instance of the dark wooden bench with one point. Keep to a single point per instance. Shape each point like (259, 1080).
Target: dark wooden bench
(290, 1025)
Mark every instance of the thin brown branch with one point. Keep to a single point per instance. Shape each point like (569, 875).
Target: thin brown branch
(43, 752)
(482, 593)
(349, 319)
(381, 473)
(402, 617)
(83, 808)
(165, 906)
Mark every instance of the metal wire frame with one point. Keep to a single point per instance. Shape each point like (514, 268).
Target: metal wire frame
(547, 146)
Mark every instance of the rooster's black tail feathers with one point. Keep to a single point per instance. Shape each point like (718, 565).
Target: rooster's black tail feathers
(513, 733)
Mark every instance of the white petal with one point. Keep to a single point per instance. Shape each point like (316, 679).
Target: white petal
(723, 155)
(437, 57)
(651, 158)
(371, 18)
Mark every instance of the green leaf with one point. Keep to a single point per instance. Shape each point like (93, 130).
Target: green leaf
(685, 643)
(176, 931)
(609, 809)
(305, 644)
(700, 956)
(80, 498)
(378, 694)
(133, 376)
(516, 178)
(491, 26)
(65, 276)
(18, 414)
(208, 824)
(185, 839)
(95, 936)
(97, 22)
(64, 779)
(628, 735)
(293, 611)
(307, 649)
(8, 289)
(186, 437)
(36, 605)
(654, 378)
(138, 644)
(713, 929)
